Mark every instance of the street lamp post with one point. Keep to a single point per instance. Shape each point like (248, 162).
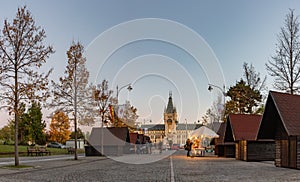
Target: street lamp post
(186, 133)
(129, 88)
(102, 135)
(210, 88)
(119, 89)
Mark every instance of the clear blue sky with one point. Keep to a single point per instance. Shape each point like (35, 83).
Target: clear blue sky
(236, 31)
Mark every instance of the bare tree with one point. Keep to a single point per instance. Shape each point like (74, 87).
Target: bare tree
(22, 53)
(253, 78)
(285, 65)
(126, 116)
(255, 81)
(103, 98)
(71, 93)
(214, 113)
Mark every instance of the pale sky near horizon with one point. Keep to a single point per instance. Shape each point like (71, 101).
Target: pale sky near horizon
(163, 58)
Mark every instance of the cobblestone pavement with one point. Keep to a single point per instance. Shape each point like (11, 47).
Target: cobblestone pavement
(175, 168)
(229, 169)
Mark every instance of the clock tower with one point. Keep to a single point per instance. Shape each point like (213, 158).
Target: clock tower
(170, 121)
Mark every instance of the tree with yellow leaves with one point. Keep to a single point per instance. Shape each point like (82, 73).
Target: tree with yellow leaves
(60, 127)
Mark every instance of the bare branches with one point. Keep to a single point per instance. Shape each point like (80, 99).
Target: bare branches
(72, 89)
(71, 92)
(103, 97)
(285, 64)
(253, 78)
(22, 52)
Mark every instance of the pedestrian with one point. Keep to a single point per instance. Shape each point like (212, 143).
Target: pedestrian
(188, 147)
(143, 147)
(137, 146)
(150, 147)
(160, 146)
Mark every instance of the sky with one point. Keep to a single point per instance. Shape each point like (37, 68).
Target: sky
(161, 46)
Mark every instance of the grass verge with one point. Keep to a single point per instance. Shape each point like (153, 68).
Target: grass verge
(8, 151)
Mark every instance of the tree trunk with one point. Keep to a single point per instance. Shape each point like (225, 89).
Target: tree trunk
(16, 112)
(75, 111)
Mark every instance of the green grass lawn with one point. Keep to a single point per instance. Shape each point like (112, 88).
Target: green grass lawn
(11, 148)
(23, 150)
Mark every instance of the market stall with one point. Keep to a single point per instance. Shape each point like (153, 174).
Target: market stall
(201, 139)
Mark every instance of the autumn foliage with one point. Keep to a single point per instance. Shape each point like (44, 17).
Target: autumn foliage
(60, 127)
(22, 53)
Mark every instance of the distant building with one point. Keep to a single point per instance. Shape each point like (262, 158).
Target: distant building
(171, 129)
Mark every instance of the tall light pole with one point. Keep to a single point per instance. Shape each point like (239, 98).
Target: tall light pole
(129, 88)
(186, 133)
(119, 89)
(210, 88)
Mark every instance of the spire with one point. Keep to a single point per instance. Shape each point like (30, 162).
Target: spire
(170, 104)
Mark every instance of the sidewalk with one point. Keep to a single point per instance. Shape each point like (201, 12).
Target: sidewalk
(43, 162)
(30, 159)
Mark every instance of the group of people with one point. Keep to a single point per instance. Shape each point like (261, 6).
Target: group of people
(143, 147)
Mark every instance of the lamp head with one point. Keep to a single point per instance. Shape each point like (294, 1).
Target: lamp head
(129, 88)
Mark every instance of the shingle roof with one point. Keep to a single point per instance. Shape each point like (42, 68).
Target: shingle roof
(221, 133)
(182, 126)
(288, 107)
(244, 126)
(154, 127)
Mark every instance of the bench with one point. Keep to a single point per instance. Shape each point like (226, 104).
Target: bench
(31, 151)
(71, 150)
(43, 150)
(37, 151)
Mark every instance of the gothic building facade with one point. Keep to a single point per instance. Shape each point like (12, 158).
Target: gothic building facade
(170, 121)
(171, 130)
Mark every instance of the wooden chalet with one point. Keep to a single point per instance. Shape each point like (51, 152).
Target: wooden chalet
(281, 122)
(116, 141)
(222, 148)
(242, 130)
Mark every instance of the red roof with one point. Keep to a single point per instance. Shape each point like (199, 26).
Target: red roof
(288, 107)
(244, 126)
(221, 133)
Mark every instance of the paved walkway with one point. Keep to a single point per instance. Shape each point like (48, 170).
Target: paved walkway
(177, 168)
(36, 162)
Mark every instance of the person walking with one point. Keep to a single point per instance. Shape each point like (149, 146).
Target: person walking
(188, 147)
(160, 144)
(137, 146)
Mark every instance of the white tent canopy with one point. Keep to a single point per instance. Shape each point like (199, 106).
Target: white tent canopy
(204, 132)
